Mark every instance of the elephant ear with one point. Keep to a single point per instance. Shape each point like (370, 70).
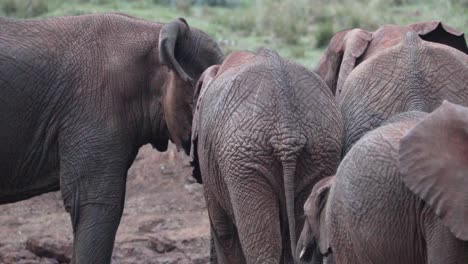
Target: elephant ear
(435, 31)
(205, 79)
(170, 34)
(315, 211)
(356, 42)
(340, 57)
(433, 160)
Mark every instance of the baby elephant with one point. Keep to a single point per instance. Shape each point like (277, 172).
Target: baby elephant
(399, 196)
(264, 132)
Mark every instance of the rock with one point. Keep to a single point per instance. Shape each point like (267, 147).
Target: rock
(39, 261)
(161, 245)
(202, 259)
(27, 261)
(151, 226)
(46, 247)
(10, 254)
(191, 179)
(25, 254)
(166, 169)
(49, 261)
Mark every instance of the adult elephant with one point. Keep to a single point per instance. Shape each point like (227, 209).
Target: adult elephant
(80, 95)
(415, 75)
(399, 196)
(349, 48)
(265, 131)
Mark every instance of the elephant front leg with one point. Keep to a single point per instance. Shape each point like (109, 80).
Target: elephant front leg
(93, 189)
(95, 229)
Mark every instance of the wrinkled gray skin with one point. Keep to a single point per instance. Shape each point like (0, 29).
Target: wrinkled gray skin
(80, 95)
(349, 48)
(265, 131)
(414, 75)
(399, 195)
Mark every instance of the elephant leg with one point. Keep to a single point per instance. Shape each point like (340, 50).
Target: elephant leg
(213, 254)
(226, 244)
(256, 209)
(93, 189)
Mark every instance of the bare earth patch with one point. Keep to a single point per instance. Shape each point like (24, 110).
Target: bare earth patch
(164, 220)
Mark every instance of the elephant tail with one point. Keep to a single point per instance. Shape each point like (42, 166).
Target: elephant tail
(289, 170)
(288, 148)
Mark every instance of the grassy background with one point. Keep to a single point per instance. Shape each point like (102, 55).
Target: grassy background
(297, 29)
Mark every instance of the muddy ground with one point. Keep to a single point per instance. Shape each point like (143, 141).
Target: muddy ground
(164, 220)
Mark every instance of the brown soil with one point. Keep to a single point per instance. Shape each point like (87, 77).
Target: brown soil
(164, 220)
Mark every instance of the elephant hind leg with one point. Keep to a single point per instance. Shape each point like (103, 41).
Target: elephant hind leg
(223, 235)
(257, 215)
(213, 254)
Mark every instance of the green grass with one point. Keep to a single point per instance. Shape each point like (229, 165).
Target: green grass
(300, 31)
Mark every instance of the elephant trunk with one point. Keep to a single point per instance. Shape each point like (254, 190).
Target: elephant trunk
(289, 170)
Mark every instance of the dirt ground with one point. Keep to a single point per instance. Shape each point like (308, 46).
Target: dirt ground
(164, 220)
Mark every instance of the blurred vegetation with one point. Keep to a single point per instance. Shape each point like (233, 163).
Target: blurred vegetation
(297, 29)
(25, 8)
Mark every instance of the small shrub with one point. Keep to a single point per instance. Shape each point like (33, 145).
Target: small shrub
(199, 2)
(96, 2)
(298, 51)
(393, 2)
(9, 7)
(183, 6)
(25, 8)
(243, 20)
(211, 2)
(287, 25)
(36, 8)
(75, 12)
(463, 3)
(162, 2)
(224, 3)
(323, 34)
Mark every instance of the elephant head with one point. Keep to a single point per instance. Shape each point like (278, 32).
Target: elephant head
(433, 158)
(187, 53)
(348, 48)
(314, 242)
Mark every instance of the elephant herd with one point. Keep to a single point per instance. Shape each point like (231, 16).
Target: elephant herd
(362, 160)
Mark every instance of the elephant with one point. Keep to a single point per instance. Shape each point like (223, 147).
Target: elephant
(399, 195)
(80, 95)
(265, 130)
(375, 75)
(349, 48)
(414, 75)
